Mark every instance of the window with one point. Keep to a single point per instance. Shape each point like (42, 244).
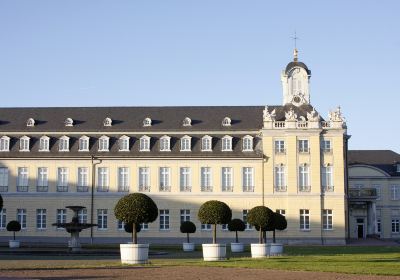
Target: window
(185, 179)
(304, 219)
(281, 211)
(147, 122)
(83, 179)
(327, 178)
(144, 226)
(248, 179)
(378, 225)
(61, 216)
(4, 144)
(120, 225)
(227, 143)
(280, 147)
(24, 144)
(62, 179)
(30, 122)
(248, 226)
(395, 225)
(165, 178)
(226, 121)
(227, 179)
(84, 144)
(187, 122)
(303, 146)
(21, 217)
(304, 178)
(22, 180)
(206, 179)
(164, 219)
(247, 143)
(41, 218)
(103, 143)
(280, 178)
(144, 144)
(205, 227)
(44, 144)
(327, 219)
(378, 191)
(102, 218)
(123, 179)
(3, 218)
(42, 180)
(185, 215)
(206, 143)
(186, 145)
(63, 144)
(165, 144)
(144, 179)
(123, 143)
(68, 122)
(3, 179)
(102, 179)
(82, 216)
(395, 193)
(107, 122)
(326, 146)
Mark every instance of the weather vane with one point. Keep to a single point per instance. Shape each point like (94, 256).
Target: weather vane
(295, 38)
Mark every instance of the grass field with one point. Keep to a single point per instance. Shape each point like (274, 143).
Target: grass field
(372, 260)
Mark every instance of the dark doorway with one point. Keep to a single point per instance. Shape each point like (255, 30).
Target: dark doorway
(360, 231)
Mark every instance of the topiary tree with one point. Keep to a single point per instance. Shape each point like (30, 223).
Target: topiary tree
(236, 225)
(188, 227)
(279, 223)
(1, 202)
(129, 228)
(216, 213)
(13, 226)
(261, 218)
(134, 209)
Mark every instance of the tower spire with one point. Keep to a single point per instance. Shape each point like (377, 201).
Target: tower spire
(295, 51)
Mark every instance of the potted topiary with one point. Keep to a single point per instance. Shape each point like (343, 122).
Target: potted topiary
(14, 226)
(129, 228)
(216, 213)
(134, 209)
(188, 227)
(261, 218)
(236, 225)
(279, 223)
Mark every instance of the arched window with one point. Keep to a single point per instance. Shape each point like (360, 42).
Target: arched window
(187, 122)
(107, 122)
(4, 144)
(147, 122)
(103, 143)
(24, 144)
(144, 144)
(227, 143)
(63, 144)
(83, 144)
(247, 143)
(68, 122)
(165, 144)
(186, 143)
(123, 143)
(44, 144)
(226, 121)
(30, 122)
(206, 143)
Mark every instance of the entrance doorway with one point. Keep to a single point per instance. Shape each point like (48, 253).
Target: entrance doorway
(360, 228)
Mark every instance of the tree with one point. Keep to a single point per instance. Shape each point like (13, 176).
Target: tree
(13, 226)
(188, 227)
(261, 218)
(236, 225)
(134, 209)
(216, 213)
(279, 223)
(1, 202)
(129, 228)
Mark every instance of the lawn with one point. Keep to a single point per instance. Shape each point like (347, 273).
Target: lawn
(342, 259)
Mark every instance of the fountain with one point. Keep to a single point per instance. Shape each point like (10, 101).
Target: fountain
(74, 228)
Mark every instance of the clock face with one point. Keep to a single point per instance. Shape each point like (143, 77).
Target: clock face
(296, 99)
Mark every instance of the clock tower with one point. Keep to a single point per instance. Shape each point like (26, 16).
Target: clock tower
(295, 82)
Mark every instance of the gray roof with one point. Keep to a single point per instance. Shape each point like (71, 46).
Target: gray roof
(293, 64)
(385, 160)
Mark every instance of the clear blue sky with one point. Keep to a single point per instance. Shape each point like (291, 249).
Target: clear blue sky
(208, 52)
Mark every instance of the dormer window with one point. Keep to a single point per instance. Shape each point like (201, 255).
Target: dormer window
(24, 144)
(165, 144)
(144, 144)
(247, 143)
(68, 122)
(83, 144)
(103, 143)
(30, 122)
(147, 122)
(187, 122)
(44, 144)
(123, 143)
(206, 143)
(227, 143)
(4, 144)
(63, 144)
(107, 122)
(226, 121)
(186, 143)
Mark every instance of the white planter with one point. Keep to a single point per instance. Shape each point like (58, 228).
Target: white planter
(237, 247)
(214, 252)
(188, 247)
(260, 250)
(134, 253)
(13, 243)
(276, 249)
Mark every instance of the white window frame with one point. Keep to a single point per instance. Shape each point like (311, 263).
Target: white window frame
(83, 216)
(395, 192)
(327, 177)
(187, 122)
(206, 143)
(103, 179)
(280, 178)
(185, 215)
(395, 225)
(245, 212)
(63, 144)
(279, 146)
(147, 122)
(164, 176)
(30, 122)
(104, 142)
(42, 183)
(304, 178)
(62, 179)
(165, 143)
(69, 122)
(206, 179)
(4, 144)
(303, 146)
(123, 143)
(107, 122)
(123, 179)
(3, 179)
(248, 143)
(82, 183)
(22, 179)
(205, 227)
(24, 144)
(327, 219)
(377, 188)
(248, 177)
(44, 144)
(186, 143)
(304, 220)
(185, 179)
(3, 219)
(41, 219)
(21, 217)
(164, 219)
(226, 143)
(144, 179)
(61, 216)
(227, 179)
(83, 144)
(326, 145)
(226, 121)
(144, 144)
(102, 219)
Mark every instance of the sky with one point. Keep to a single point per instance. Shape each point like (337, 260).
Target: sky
(208, 52)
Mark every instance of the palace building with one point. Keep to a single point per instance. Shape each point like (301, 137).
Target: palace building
(287, 157)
